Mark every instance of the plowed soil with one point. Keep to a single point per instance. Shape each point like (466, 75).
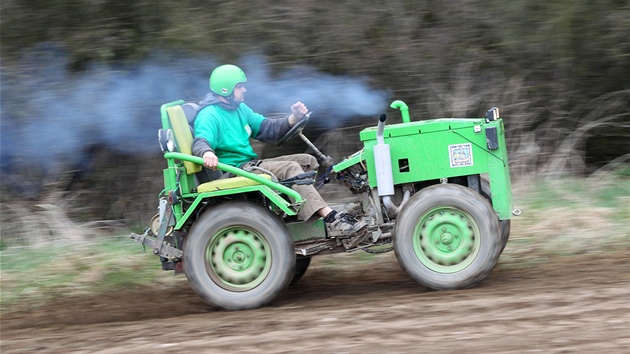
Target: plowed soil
(348, 304)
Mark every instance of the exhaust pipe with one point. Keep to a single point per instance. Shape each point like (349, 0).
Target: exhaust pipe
(383, 162)
(384, 174)
(391, 208)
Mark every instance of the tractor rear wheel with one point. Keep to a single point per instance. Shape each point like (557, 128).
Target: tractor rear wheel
(447, 237)
(238, 256)
(301, 265)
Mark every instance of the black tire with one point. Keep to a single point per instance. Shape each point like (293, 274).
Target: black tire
(301, 265)
(239, 256)
(447, 237)
(504, 225)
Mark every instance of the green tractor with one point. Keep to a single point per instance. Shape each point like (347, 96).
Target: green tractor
(437, 192)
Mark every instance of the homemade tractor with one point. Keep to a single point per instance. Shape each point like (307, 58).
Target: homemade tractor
(437, 192)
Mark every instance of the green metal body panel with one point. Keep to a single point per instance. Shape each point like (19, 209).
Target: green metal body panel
(442, 148)
(302, 231)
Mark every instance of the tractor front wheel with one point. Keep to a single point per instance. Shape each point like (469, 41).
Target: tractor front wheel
(447, 237)
(239, 255)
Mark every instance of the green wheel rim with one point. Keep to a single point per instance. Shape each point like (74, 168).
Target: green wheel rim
(238, 259)
(446, 239)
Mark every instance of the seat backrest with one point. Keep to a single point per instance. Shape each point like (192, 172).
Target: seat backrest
(183, 136)
(191, 110)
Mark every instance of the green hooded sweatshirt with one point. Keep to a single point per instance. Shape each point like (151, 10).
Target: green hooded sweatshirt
(228, 132)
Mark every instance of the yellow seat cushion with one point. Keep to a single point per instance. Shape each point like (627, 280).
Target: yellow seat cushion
(183, 136)
(228, 183)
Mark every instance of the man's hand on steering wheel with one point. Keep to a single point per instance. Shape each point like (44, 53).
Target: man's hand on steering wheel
(298, 111)
(297, 120)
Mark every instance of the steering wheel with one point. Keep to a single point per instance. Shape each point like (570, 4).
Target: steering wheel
(294, 131)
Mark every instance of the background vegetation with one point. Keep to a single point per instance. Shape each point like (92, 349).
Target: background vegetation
(559, 71)
(561, 218)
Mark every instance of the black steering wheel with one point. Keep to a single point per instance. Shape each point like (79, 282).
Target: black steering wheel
(294, 131)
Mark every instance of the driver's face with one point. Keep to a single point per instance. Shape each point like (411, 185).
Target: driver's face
(239, 93)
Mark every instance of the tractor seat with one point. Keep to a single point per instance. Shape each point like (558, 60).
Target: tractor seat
(184, 139)
(228, 183)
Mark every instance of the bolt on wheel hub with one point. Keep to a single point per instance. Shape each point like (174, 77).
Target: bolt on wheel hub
(238, 259)
(445, 239)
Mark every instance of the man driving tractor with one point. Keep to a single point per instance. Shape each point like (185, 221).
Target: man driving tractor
(224, 126)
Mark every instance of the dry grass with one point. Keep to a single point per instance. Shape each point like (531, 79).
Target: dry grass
(560, 217)
(33, 274)
(564, 217)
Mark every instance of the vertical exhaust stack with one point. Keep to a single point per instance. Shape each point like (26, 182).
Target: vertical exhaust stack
(383, 162)
(384, 172)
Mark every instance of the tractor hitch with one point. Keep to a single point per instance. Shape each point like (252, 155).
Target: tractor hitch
(166, 251)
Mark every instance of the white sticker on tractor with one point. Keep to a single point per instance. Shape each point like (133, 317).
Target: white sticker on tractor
(460, 155)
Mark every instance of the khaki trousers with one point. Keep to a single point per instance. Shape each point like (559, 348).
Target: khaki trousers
(289, 166)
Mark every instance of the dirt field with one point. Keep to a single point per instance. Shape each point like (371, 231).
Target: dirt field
(566, 304)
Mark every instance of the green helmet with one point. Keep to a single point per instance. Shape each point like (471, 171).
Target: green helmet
(224, 78)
